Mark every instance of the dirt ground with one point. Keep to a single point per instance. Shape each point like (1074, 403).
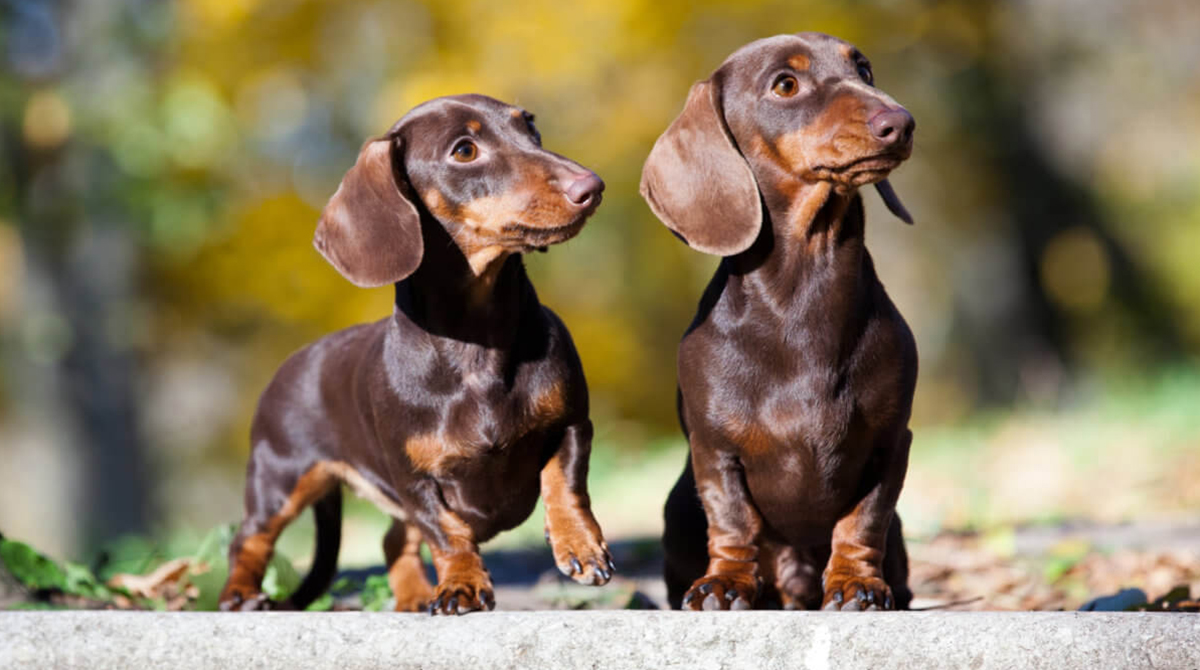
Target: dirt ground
(1059, 567)
(1064, 566)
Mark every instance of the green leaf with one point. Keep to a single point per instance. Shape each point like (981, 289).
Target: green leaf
(30, 568)
(375, 593)
(281, 578)
(214, 548)
(129, 554)
(343, 586)
(1064, 556)
(322, 604)
(81, 582)
(212, 552)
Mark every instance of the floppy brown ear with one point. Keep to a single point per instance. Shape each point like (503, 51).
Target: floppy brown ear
(698, 183)
(369, 230)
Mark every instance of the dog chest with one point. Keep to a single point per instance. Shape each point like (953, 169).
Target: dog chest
(478, 429)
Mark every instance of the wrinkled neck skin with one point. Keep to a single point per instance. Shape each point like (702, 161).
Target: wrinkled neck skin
(451, 300)
(809, 265)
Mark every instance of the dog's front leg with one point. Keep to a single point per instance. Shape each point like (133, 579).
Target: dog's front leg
(580, 551)
(854, 577)
(464, 584)
(732, 579)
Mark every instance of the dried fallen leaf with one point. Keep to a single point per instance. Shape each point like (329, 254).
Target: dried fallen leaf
(152, 585)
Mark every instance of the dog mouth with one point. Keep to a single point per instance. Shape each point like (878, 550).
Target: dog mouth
(528, 238)
(883, 162)
(865, 170)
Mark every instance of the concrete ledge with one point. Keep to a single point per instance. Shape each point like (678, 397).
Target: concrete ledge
(601, 639)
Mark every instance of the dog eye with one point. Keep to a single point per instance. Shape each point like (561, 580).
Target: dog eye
(465, 151)
(785, 86)
(864, 71)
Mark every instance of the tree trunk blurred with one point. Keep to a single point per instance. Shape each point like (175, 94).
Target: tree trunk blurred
(1028, 334)
(80, 273)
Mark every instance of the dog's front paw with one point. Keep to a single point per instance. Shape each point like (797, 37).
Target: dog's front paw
(850, 592)
(582, 556)
(721, 592)
(462, 593)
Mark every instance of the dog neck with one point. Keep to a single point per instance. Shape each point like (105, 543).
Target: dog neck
(470, 299)
(809, 264)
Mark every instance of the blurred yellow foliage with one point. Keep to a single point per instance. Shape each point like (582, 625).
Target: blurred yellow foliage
(232, 131)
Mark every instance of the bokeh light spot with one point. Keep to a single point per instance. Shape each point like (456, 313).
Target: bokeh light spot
(199, 125)
(222, 12)
(47, 120)
(1075, 270)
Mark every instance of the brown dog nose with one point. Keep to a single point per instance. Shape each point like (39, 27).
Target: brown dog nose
(584, 188)
(893, 126)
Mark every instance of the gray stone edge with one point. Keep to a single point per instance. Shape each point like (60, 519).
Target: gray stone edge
(600, 639)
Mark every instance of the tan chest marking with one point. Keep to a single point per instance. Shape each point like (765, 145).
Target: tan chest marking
(433, 453)
(548, 403)
(749, 436)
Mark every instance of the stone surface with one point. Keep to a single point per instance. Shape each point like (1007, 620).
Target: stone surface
(608, 640)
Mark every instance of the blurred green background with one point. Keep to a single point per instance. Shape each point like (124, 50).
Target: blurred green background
(164, 164)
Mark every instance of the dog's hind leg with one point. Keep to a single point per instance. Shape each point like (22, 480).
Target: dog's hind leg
(406, 571)
(275, 495)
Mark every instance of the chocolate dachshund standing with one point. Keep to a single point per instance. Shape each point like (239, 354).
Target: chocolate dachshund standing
(452, 414)
(796, 377)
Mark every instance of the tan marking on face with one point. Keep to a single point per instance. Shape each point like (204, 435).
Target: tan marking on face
(489, 228)
(437, 205)
(517, 113)
(805, 208)
(490, 213)
(799, 62)
(510, 220)
(485, 263)
(846, 50)
(835, 138)
(785, 180)
(474, 126)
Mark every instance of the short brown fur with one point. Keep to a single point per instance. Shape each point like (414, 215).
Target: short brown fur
(796, 376)
(446, 413)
